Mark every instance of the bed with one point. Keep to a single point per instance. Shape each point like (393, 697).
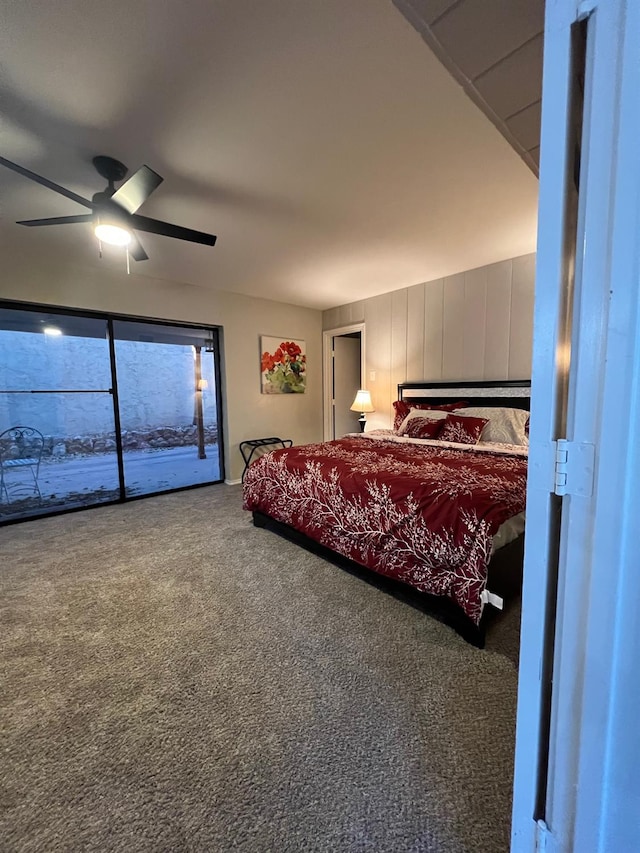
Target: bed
(429, 505)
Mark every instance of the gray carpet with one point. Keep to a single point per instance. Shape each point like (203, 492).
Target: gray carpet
(175, 679)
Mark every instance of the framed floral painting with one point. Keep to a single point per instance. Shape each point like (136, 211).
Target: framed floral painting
(283, 365)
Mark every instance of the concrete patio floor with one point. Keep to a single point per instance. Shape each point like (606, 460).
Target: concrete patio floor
(83, 480)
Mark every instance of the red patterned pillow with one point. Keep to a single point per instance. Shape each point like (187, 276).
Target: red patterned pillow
(423, 428)
(462, 429)
(402, 409)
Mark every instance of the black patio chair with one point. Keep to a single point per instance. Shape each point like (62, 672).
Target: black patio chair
(20, 456)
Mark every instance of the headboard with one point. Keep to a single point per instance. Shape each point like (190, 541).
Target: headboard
(515, 393)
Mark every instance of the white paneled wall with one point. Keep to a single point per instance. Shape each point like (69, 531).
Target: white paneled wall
(474, 325)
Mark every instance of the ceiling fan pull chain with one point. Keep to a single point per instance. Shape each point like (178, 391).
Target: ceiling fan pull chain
(128, 268)
(100, 249)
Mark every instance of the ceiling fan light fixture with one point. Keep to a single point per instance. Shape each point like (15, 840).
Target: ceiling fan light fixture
(114, 235)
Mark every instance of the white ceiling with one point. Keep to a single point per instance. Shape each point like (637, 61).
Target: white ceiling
(322, 142)
(500, 67)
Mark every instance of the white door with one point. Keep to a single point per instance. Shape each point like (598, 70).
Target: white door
(577, 776)
(346, 381)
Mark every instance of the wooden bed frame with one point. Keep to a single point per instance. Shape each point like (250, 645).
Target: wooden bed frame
(505, 568)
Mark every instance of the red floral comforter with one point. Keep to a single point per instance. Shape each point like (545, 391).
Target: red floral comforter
(417, 512)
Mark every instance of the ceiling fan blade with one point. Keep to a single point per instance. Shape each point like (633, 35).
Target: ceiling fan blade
(45, 182)
(58, 220)
(154, 226)
(137, 189)
(136, 251)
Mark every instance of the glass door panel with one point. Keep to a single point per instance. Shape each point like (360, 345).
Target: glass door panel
(168, 406)
(57, 430)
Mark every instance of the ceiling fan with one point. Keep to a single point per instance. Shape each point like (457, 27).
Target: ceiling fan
(114, 211)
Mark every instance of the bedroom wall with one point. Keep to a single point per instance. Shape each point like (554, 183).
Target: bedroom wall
(248, 412)
(474, 325)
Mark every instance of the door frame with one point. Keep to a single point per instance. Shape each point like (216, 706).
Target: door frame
(593, 780)
(327, 375)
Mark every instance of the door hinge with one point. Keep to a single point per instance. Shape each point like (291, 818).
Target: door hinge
(574, 468)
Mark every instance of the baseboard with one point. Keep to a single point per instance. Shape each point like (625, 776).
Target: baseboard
(233, 482)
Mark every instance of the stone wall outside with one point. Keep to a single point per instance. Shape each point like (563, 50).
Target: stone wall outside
(156, 384)
(144, 439)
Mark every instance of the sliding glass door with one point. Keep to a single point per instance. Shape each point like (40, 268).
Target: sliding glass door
(167, 399)
(95, 409)
(57, 431)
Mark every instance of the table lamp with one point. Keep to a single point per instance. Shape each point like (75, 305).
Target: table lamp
(362, 404)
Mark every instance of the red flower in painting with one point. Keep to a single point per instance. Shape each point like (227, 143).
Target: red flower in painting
(292, 349)
(268, 362)
(279, 356)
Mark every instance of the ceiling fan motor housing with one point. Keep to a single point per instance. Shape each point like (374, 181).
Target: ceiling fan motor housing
(110, 169)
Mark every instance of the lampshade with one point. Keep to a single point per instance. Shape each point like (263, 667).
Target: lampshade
(362, 402)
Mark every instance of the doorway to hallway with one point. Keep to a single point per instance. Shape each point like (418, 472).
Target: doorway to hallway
(343, 351)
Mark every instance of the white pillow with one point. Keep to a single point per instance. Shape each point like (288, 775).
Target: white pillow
(506, 426)
(431, 414)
